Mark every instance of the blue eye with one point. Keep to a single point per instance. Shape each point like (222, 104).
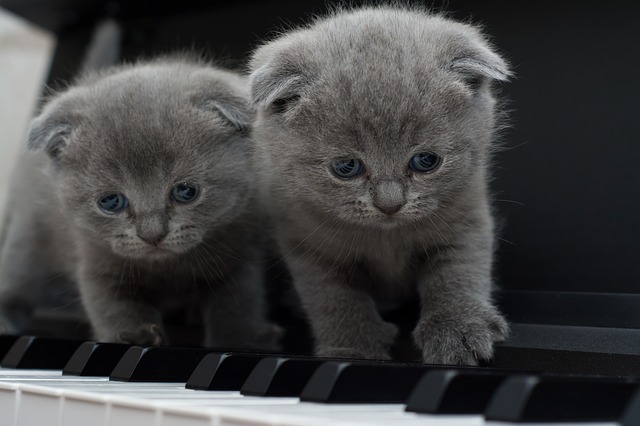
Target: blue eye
(184, 192)
(425, 162)
(347, 169)
(113, 203)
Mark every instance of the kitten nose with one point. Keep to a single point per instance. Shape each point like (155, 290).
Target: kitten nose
(388, 196)
(390, 210)
(154, 240)
(152, 228)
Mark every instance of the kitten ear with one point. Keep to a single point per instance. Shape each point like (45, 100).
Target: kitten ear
(479, 64)
(49, 133)
(270, 86)
(236, 112)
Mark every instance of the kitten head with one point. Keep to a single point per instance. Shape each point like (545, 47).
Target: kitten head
(149, 158)
(376, 116)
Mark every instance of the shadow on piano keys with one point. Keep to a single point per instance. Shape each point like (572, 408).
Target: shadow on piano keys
(45, 381)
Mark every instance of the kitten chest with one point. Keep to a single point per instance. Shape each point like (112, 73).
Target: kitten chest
(389, 268)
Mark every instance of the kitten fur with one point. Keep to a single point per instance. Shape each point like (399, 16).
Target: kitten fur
(140, 130)
(381, 84)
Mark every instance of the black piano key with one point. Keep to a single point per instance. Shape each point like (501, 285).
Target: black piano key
(566, 362)
(349, 382)
(452, 391)
(223, 371)
(531, 398)
(6, 341)
(95, 359)
(276, 376)
(39, 353)
(158, 364)
(632, 411)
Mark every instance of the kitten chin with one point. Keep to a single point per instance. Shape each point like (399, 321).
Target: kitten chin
(175, 244)
(374, 130)
(150, 253)
(149, 176)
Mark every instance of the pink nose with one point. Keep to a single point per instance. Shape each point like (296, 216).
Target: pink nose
(154, 239)
(388, 196)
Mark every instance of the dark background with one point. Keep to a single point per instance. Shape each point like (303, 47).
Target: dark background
(567, 182)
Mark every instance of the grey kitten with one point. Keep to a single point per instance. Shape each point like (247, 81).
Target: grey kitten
(374, 129)
(142, 192)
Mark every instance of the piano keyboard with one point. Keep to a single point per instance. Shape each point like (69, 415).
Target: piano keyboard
(39, 398)
(357, 392)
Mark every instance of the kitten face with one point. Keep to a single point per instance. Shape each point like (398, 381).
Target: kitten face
(406, 124)
(383, 142)
(149, 166)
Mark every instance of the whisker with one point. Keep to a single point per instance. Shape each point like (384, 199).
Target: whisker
(198, 258)
(507, 241)
(300, 243)
(231, 288)
(510, 201)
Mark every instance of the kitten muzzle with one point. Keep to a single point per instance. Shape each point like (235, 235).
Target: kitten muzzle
(389, 196)
(153, 239)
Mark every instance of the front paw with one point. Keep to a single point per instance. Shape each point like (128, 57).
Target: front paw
(351, 353)
(373, 344)
(460, 338)
(268, 338)
(145, 335)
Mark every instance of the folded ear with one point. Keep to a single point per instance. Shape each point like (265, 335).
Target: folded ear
(481, 63)
(49, 132)
(276, 87)
(235, 111)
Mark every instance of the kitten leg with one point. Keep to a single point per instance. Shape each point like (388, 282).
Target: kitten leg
(115, 314)
(458, 323)
(344, 319)
(235, 314)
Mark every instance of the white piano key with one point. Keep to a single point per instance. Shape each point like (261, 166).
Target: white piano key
(188, 418)
(310, 414)
(52, 380)
(252, 400)
(220, 416)
(106, 385)
(39, 405)
(9, 374)
(8, 403)
(132, 412)
(243, 417)
(496, 423)
(371, 414)
(181, 416)
(84, 408)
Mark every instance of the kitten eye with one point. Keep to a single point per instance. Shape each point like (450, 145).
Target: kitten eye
(347, 169)
(473, 82)
(184, 192)
(425, 162)
(282, 105)
(113, 203)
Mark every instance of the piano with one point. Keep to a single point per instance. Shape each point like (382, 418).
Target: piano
(565, 186)
(48, 381)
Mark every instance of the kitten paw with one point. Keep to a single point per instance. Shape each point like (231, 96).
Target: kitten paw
(268, 338)
(460, 339)
(374, 344)
(146, 335)
(351, 353)
(265, 337)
